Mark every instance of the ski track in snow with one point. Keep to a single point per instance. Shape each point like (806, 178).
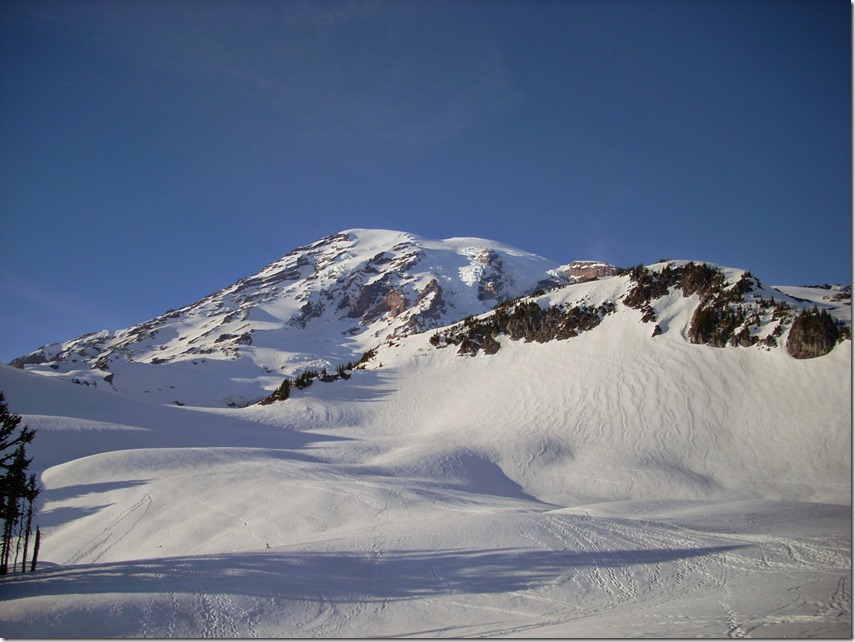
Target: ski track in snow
(619, 573)
(116, 530)
(611, 485)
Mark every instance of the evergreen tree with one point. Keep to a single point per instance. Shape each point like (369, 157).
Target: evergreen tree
(14, 489)
(18, 489)
(10, 434)
(32, 493)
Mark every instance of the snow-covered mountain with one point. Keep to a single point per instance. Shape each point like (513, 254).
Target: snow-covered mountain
(529, 450)
(326, 304)
(319, 306)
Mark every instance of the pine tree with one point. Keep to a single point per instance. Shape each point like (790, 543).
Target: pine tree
(10, 435)
(33, 491)
(13, 482)
(18, 489)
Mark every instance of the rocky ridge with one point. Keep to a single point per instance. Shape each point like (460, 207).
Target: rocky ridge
(732, 309)
(329, 303)
(319, 305)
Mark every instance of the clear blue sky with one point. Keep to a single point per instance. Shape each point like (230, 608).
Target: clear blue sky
(152, 152)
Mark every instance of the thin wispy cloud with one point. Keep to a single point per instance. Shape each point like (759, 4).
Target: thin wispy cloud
(367, 83)
(359, 78)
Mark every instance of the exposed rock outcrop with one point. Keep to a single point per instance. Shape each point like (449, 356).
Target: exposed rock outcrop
(813, 334)
(581, 271)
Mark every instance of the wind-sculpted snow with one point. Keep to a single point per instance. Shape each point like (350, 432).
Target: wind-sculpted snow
(604, 483)
(609, 485)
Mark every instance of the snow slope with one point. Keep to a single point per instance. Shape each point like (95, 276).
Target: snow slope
(320, 305)
(612, 484)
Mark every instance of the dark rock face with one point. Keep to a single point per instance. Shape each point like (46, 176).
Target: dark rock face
(492, 280)
(432, 308)
(725, 317)
(691, 278)
(395, 302)
(722, 314)
(522, 320)
(432, 288)
(712, 326)
(31, 359)
(308, 311)
(371, 302)
(813, 334)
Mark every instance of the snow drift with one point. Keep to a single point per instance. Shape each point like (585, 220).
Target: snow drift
(612, 483)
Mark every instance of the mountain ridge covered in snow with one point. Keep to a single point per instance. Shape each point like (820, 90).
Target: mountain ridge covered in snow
(326, 304)
(663, 450)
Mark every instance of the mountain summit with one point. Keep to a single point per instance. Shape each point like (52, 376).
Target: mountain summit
(319, 305)
(524, 449)
(324, 305)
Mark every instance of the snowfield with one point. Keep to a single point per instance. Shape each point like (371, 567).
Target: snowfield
(610, 485)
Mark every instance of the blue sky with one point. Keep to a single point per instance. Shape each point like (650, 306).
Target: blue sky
(153, 152)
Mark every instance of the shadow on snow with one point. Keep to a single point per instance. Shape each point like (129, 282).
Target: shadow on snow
(340, 576)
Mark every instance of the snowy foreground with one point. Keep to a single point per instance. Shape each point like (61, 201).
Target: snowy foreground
(610, 485)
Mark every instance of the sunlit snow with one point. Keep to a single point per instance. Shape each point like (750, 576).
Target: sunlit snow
(608, 485)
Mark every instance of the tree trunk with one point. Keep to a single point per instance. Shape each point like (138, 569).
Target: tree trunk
(7, 543)
(27, 530)
(18, 544)
(36, 549)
